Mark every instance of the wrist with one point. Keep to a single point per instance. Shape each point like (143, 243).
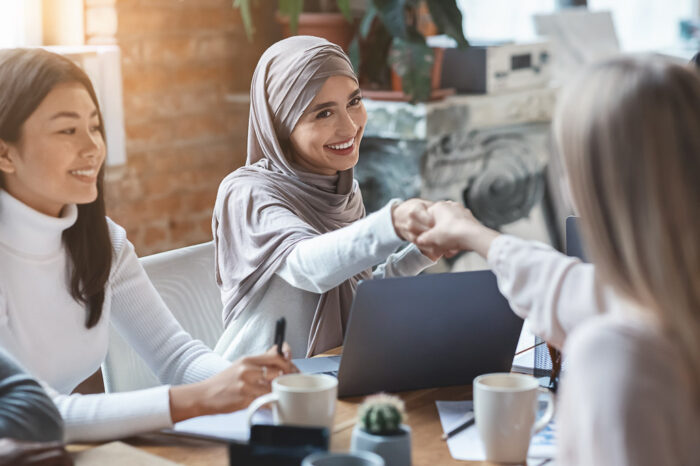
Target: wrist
(481, 242)
(186, 401)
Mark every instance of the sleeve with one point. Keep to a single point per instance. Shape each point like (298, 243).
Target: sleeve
(404, 263)
(26, 411)
(323, 262)
(139, 314)
(617, 403)
(552, 291)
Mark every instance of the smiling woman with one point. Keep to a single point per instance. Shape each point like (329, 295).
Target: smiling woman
(67, 272)
(290, 229)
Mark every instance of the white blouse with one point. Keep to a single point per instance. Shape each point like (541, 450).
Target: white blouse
(626, 397)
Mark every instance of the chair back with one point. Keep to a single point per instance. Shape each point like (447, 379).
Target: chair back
(185, 280)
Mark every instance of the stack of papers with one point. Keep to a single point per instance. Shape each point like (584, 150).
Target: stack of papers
(467, 445)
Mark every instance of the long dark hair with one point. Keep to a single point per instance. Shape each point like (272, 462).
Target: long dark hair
(26, 77)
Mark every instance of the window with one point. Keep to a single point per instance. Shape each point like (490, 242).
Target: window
(20, 23)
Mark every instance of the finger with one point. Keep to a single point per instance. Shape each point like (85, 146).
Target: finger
(275, 361)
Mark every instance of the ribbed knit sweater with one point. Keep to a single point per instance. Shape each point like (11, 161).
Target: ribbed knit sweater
(43, 327)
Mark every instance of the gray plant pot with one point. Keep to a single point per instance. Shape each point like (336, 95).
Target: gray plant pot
(395, 449)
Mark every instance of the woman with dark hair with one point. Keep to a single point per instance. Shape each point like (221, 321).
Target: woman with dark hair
(68, 272)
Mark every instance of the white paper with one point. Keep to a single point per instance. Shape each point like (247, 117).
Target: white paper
(232, 426)
(467, 446)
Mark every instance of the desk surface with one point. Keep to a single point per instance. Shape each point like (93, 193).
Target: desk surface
(427, 447)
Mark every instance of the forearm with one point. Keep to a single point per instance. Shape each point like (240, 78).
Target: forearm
(552, 291)
(320, 264)
(114, 415)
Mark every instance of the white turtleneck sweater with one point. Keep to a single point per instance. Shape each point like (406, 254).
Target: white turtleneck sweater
(43, 327)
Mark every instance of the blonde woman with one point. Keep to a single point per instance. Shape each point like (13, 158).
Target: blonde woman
(629, 133)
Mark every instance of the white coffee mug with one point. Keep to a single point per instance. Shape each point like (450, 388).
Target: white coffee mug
(504, 408)
(300, 399)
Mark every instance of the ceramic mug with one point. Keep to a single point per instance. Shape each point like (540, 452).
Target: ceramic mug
(300, 399)
(504, 408)
(356, 458)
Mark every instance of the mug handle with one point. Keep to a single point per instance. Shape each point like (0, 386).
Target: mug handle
(548, 413)
(258, 403)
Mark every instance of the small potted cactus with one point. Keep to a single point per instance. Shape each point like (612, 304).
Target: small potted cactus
(380, 429)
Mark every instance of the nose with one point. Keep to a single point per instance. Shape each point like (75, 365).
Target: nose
(92, 145)
(347, 127)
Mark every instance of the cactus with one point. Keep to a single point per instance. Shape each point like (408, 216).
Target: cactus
(382, 415)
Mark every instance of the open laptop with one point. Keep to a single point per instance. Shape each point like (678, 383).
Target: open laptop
(574, 245)
(427, 331)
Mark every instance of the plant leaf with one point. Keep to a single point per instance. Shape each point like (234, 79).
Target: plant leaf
(366, 23)
(291, 9)
(448, 20)
(246, 17)
(392, 14)
(344, 7)
(413, 61)
(354, 54)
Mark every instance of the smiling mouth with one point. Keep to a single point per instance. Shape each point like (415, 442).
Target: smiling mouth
(343, 148)
(85, 174)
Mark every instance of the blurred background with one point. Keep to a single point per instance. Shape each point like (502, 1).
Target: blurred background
(173, 78)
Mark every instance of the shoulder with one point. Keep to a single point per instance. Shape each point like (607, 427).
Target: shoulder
(117, 235)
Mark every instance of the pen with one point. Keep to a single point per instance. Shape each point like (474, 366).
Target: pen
(468, 421)
(279, 334)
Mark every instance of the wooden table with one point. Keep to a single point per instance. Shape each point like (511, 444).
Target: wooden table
(427, 447)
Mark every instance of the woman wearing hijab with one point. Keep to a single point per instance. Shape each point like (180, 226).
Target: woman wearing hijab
(290, 229)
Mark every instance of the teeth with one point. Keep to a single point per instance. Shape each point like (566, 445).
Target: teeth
(343, 146)
(90, 172)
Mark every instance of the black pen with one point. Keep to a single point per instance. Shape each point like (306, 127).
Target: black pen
(279, 334)
(468, 422)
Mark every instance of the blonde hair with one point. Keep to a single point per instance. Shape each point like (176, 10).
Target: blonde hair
(629, 133)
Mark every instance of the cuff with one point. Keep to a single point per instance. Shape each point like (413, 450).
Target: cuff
(385, 231)
(498, 251)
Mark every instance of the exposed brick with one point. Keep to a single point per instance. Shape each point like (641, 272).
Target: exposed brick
(179, 60)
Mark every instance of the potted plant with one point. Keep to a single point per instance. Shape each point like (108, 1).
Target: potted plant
(380, 429)
(330, 19)
(392, 32)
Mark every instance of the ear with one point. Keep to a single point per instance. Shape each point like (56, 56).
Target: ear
(6, 163)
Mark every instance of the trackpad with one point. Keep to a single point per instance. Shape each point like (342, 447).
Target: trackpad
(318, 365)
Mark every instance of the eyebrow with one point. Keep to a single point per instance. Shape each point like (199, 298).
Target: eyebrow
(323, 105)
(71, 115)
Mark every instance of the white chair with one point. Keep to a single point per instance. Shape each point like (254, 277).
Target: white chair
(185, 280)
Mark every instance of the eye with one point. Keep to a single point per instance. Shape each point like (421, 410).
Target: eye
(323, 114)
(355, 101)
(68, 131)
(96, 128)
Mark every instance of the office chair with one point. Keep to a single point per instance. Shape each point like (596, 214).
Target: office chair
(185, 280)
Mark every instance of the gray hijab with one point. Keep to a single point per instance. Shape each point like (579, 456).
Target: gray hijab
(268, 206)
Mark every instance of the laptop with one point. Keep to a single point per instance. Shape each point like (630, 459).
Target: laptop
(574, 245)
(426, 331)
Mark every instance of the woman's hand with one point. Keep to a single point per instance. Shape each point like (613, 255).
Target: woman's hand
(232, 389)
(18, 453)
(455, 229)
(411, 218)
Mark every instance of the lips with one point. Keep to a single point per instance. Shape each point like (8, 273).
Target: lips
(88, 174)
(342, 148)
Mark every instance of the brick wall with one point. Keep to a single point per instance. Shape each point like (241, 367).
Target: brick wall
(182, 60)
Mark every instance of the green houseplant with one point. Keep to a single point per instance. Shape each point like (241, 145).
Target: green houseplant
(291, 9)
(380, 429)
(390, 34)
